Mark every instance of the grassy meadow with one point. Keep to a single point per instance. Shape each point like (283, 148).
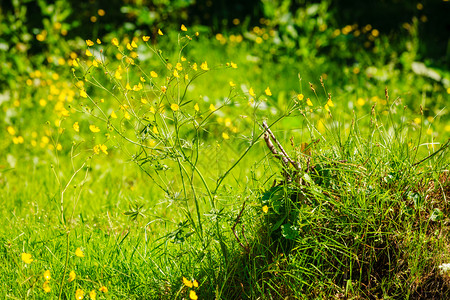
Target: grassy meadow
(283, 155)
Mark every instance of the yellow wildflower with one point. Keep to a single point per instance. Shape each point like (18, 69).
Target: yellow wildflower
(308, 101)
(204, 66)
(225, 136)
(300, 97)
(265, 209)
(233, 65)
(47, 275)
(330, 103)
(153, 74)
(194, 67)
(88, 53)
(155, 130)
(195, 283)
(79, 294)
(193, 295)
(115, 42)
(128, 87)
(113, 115)
(103, 289)
(174, 107)
(98, 41)
(93, 295)
(145, 38)
(252, 92)
(46, 287)
(144, 101)
(94, 128)
(232, 84)
(129, 47)
(183, 58)
(187, 282)
(79, 252)
(104, 149)
(83, 94)
(163, 89)
(175, 74)
(268, 92)
(183, 28)
(196, 107)
(72, 276)
(142, 79)
(11, 130)
(212, 107)
(89, 43)
(160, 32)
(133, 44)
(26, 258)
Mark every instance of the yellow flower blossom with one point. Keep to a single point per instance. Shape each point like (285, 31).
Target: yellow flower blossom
(144, 101)
(183, 58)
(308, 101)
(26, 258)
(186, 77)
(175, 74)
(129, 47)
(330, 103)
(95, 63)
(183, 28)
(155, 130)
(88, 53)
(93, 295)
(11, 130)
(265, 209)
(79, 294)
(187, 282)
(46, 287)
(160, 32)
(103, 289)
(89, 43)
(104, 149)
(252, 92)
(300, 97)
(47, 275)
(145, 38)
(133, 44)
(115, 42)
(196, 107)
(79, 252)
(268, 92)
(128, 87)
(98, 41)
(113, 115)
(117, 75)
(195, 283)
(72, 276)
(163, 89)
(212, 107)
(142, 79)
(225, 136)
(94, 128)
(194, 67)
(153, 74)
(174, 107)
(126, 115)
(204, 66)
(233, 65)
(193, 295)
(83, 94)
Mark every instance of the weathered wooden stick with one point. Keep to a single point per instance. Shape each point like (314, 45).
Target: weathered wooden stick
(284, 156)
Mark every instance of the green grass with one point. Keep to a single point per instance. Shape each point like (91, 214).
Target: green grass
(365, 215)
